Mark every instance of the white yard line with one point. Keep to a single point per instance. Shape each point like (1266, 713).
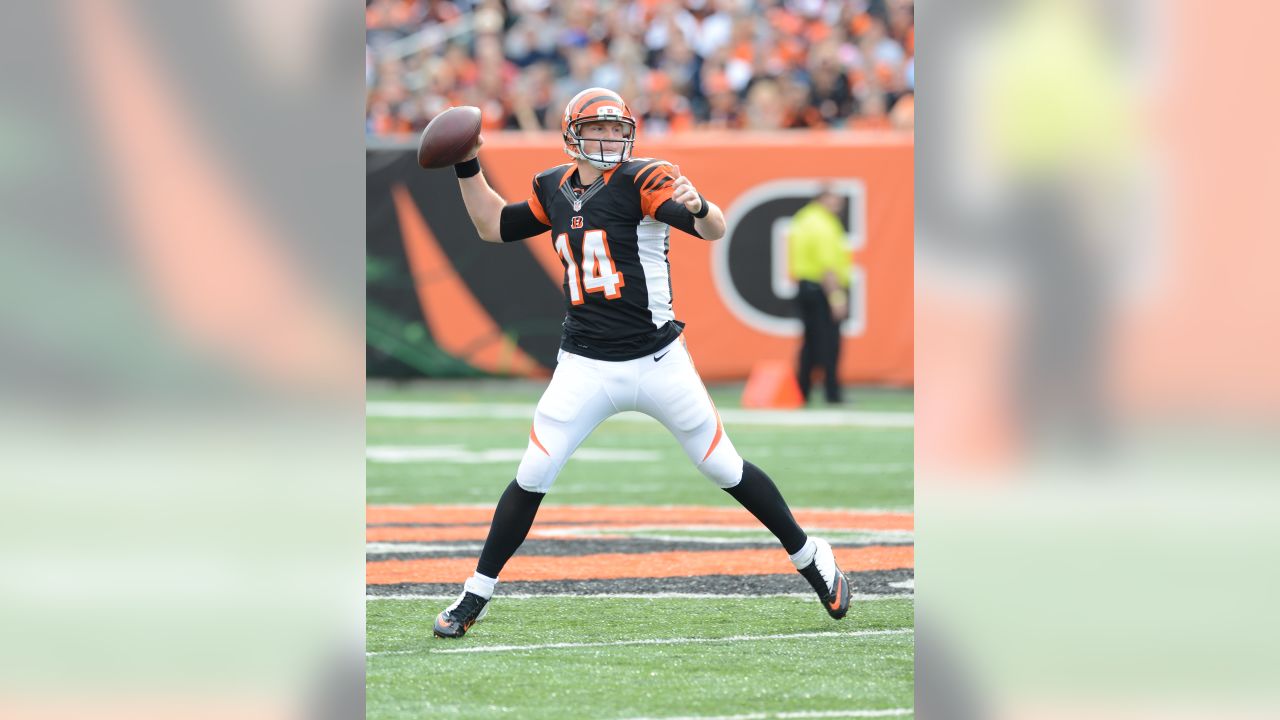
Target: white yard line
(661, 527)
(789, 715)
(458, 454)
(383, 548)
(869, 537)
(520, 411)
(652, 641)
(904, 510)
(661, 532)
(820, 418)
(855, 597)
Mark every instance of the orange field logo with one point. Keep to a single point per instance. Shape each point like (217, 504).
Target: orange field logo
(431, 549)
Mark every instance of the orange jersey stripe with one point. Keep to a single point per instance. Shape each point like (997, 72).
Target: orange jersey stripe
(656, 179)
(536, 206)
(565, 177)
(654, 192)
(640, 174)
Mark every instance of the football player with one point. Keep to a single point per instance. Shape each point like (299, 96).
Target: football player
(610, 216)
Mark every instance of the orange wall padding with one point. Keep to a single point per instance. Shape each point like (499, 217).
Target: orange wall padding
(725, 166)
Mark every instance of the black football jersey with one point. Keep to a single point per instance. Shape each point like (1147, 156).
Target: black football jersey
(613, 238)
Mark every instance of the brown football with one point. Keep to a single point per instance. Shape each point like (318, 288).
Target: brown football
(449, 137)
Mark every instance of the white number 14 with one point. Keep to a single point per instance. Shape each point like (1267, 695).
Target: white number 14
(599, 274)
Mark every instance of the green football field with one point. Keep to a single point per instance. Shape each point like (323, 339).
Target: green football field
(643, 590)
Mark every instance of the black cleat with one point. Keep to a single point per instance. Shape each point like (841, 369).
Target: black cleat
(456, 619)
(827, 580)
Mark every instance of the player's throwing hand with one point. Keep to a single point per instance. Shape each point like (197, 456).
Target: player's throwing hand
(686, 194)
(475, 151)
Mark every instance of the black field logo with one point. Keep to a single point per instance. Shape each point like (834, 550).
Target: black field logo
(750, 263)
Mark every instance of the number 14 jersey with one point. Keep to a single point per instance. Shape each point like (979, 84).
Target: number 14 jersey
(613, 238)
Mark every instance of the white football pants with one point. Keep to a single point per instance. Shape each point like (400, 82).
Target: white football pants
(665, 386)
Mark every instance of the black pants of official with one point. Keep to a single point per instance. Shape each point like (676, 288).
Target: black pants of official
(821, 346)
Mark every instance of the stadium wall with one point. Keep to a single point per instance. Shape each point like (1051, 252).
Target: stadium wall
(443, 303)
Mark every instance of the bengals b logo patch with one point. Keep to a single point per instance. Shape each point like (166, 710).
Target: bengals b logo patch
(576, 222)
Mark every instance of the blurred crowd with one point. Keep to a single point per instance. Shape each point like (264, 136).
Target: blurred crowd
(680, 64)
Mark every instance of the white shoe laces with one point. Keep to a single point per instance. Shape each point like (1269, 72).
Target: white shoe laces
(483, 611)
(825, 559)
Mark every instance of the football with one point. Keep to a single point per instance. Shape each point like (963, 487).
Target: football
(449, 137)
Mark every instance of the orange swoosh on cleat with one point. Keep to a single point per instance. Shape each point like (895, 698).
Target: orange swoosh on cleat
(835, 604)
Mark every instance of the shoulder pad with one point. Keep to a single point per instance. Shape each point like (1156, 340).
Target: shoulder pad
(640, 171)
(632, 167)
(553, 174)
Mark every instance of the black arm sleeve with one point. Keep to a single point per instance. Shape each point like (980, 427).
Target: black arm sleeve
(675, 215)
(518, 222)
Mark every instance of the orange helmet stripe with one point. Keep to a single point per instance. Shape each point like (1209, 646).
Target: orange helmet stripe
(597, 99)
(582, 105)
(585, 100)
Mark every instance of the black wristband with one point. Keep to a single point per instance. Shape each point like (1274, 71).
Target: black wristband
(467, 168)
(706, 207)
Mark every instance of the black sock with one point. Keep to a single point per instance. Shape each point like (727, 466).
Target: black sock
(758, 494)
(511, 522)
